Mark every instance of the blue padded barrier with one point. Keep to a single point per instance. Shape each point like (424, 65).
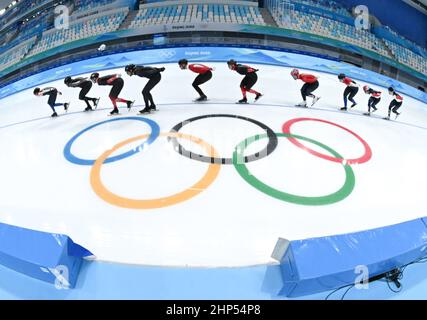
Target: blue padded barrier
(53, 258)
(320, 264)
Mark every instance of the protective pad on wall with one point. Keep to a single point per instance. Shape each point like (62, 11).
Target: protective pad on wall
(50, 257)
(327, 263)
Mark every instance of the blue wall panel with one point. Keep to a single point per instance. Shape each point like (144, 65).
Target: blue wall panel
(326, 263)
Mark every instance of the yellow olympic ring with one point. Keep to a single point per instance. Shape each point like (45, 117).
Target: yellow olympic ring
(198, 187)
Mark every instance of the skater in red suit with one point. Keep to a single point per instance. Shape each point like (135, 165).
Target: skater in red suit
(373, 100)
(204, 75)
(311, 83)
(395, 104)
(117, 84)
(248, 81)
(349, 92)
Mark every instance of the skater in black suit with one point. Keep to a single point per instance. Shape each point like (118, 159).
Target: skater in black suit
(85, 85)
(154, 76)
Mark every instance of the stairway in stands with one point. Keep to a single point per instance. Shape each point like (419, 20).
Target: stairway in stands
(268, 18)
(130, 17)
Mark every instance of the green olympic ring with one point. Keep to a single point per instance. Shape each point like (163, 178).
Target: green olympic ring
(342, 193)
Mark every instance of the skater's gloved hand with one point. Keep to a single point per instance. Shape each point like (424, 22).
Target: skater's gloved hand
(213, 68)
(60, 93)
(162, 69)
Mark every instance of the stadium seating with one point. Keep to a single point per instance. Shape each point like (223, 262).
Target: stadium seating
(407, 57)
(301, 21)
(328, 5)
(163, 13)
(22, 7)
(88, 5)
(332, 29)
(80, 29)
(33, 27)
(15, 54)
(185, 13)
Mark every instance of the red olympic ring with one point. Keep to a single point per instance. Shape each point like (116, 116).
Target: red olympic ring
(364, 158)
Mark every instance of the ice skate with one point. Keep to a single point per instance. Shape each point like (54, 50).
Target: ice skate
(114, 112)
(258, 96)
(130, 104)
(201, 99)
(96, 102)
(315, 100)
(302, 104)
(144, 111)
(242, 101)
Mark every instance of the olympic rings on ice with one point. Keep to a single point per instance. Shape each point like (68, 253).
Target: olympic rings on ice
(155, 130)
(111, 198)
(244, 172)
(364, 158)
(271, 146)
(239, 160)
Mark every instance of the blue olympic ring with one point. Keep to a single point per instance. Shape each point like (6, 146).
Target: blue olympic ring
(155, 131)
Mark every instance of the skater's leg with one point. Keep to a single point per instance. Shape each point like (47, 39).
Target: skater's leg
(304, 91)
(114, 102)
(145, 94)
(391, 106)
(52, 101)
(347, 92)
(243, 85)
(52, 106)
(243, 89)
(86, 100)
(252, 79)
(370, 103)
(375, 102)
(310, 88)
(116, 89)
(197, 88)
(146, 91)
(84, 92)
(150, 97)
(353, 93)
(201, 79)
(396, 107)
(253, 91)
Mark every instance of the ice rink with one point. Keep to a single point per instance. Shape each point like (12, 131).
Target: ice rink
(151, 205)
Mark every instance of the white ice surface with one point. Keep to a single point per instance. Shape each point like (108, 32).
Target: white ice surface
(230, 223)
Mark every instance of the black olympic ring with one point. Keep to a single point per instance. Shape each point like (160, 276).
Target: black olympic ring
(271, 146)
